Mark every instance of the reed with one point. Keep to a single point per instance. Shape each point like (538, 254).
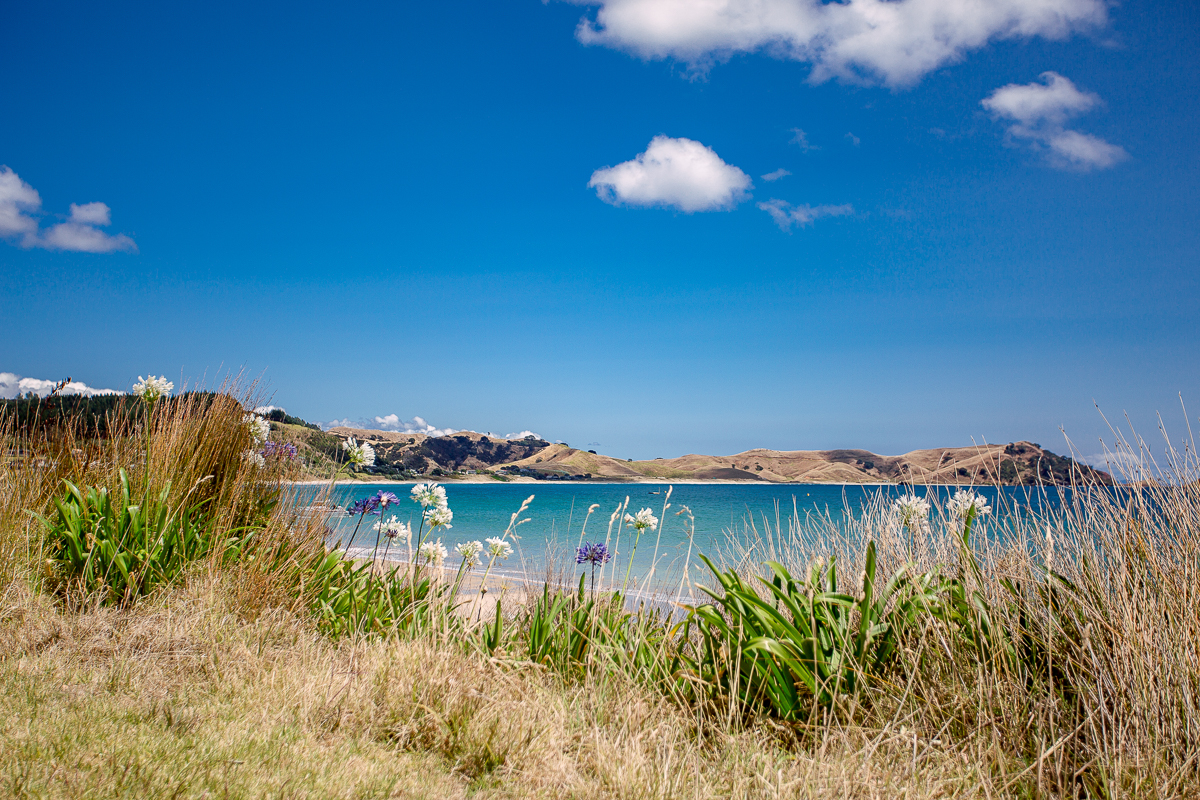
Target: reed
(1049, 652)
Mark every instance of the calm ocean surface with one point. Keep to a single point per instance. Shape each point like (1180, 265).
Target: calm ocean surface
(557, 513)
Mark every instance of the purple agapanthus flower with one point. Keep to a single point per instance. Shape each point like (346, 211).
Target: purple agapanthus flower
(282, 450)
(368, 505)
(593, 553)
(386, 499)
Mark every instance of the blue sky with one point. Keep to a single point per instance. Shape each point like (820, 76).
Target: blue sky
(385, 209)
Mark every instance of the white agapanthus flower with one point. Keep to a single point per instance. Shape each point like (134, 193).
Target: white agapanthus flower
(642, 520)
(470, 552)
(255, 458)
(152, 388)
(260, 429)
(438, 517)
(429, 495)
(911, 511)
(394, 529)
(360, 455)
(433, 552)
(498, 548)
(963, 501)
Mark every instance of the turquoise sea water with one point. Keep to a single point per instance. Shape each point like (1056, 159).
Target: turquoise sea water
(557, 512)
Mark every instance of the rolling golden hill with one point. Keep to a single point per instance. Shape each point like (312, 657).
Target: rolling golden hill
(1013, 463)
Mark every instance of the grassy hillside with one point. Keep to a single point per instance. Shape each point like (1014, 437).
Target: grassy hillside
(415, 455)
(1018, 463)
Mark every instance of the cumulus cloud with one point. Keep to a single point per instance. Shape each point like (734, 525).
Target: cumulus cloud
(892, 41)
(1040, 112)
(81, 232)
(787, 216)
(771, 177)
(391, 422)
(12, 386)
(674, 173)
(524, 435)
(20, 204)
(264, 410)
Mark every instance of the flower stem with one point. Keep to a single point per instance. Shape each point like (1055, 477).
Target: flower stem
(629, 567)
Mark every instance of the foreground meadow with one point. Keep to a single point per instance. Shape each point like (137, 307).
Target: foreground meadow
(173, 624)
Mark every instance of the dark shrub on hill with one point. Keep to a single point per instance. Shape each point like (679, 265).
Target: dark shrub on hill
(92, 414)
(279, 415)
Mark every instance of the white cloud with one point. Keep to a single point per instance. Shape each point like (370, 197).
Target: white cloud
(1125, 466)
(81, 232)
(787, 215)
(1072, 149)
(1053, 101)
(771, 177)
(390, 422)
(18, 200)
(12, 385)
(676, 173)
(1040, 112)
(894, 41)
(854, 140)
(523, 435)
(264, 410)
(20, 203)
(800, 138)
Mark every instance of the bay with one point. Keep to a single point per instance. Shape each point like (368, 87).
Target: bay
(702, 516)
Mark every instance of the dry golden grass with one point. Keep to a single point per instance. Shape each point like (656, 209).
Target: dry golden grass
(182, 698)
(223, 687)
(1119, 714)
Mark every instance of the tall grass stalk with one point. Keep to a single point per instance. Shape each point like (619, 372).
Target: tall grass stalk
(1053, 653)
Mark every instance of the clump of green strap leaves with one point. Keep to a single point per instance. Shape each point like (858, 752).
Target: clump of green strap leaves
(805, 640)
(104, 542)
(804, 644)
(571, 633)
(351, 598)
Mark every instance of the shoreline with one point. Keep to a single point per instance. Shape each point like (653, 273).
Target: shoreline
(513, 578)
(482, 479)
(663, 482)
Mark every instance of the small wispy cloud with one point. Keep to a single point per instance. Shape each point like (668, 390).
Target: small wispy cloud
(854, 140)
(13, 386)
(788, 216)
(800, 139)
(1040, 112)
(21, 207)
(771, 177)
(1128, 467)
(673, 173)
